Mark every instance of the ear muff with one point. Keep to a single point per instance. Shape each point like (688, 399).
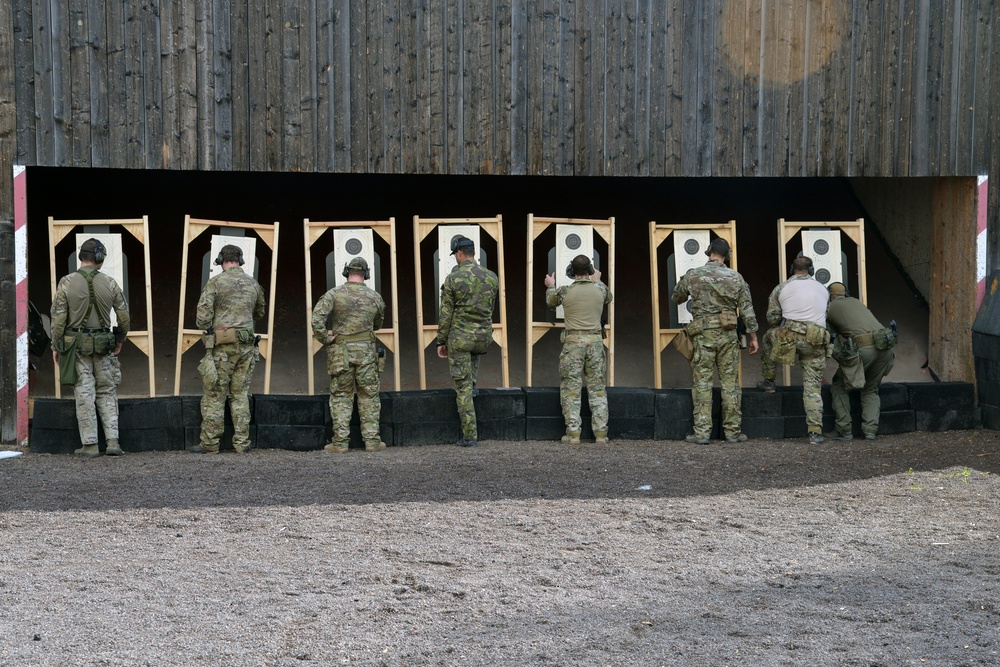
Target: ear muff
(218, 259)
(569, 271)
(347, 271)
(100, 253)
(239, 257)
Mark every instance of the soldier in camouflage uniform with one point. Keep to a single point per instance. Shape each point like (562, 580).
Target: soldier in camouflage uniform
(351, 356)
(228, 306)
(852, 320)
(81, 313)
(465, 329)
(797, 309)
(582, 356)
(717, 295)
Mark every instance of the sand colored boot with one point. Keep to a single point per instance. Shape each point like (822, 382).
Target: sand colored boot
(114, 449)
(571, 439)
(88, 451)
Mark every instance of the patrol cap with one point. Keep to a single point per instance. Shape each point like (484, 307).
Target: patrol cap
(358, 264)
(462, 243)
(838, 289)
(718, 246)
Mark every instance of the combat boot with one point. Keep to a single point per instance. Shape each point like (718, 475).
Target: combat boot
(766, 385)
(600, 437)
(336, 449)
(377, 447)
(571, 439)
(88, 451)
(113, 449)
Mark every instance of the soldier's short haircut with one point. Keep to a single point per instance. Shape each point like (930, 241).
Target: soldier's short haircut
(582, 266)
(719, 246)
(231, 253)
(802, 264)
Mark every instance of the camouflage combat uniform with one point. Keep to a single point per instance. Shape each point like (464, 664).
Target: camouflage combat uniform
(231, 299)
(850, 318)
(468, 297)
(582, 357)
(351, 358)
(715, 288)
(98, 375)
(811, 356)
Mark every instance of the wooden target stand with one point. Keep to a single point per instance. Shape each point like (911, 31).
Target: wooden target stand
(389, 337)
(139, 228)
(193, 227)
(605, 228)
(662, 337)
(854, 229)
(428, 332)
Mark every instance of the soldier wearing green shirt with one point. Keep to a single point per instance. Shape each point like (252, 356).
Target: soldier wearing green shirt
(229, 304)
(465, 328)
(81, 315)
(718, 295)
(351, 355)
(582, 356)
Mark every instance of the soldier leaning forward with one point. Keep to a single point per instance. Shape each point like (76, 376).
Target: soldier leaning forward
(719, 296)
(351, 356)
(228, 306)
(86, 348)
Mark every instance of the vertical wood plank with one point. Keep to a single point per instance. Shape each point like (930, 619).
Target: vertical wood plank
(96, 44)
(728, 117)
(889, 84)
(424, 65)
(520, 39)
(657, 71)
(205, 86)
(503, 76)
(691, 50)
(753, 41)
(290, 84)
(44, 78)
(969, 57)
(324, 86)
(17, 95)
(565, 84)
(308, 75)
(643, 87)
(940, 57)
(551, 159)
(152, 92)
(582, 73)
(375, 77)
(392, 112)
(274, 91)
(78, 93)
(227, 70)
(919, 150)
(116, 104)
(10, 18)
(798, 83)
(454, 102)
(627, 107)
(186, 46)
(707, 101)
(674, 88)
(240, 22)
(905, 90)
(984, 62)
(358, 96)
(534, 77)
(170, 70)
(343, 63)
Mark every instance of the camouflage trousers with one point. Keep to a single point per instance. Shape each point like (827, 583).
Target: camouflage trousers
(582, 360)
(767, 363)
(812, 359)
(356, 372)
(877, 365)
(234, 363)
(464, 367)
(95, 391)
(716, 349)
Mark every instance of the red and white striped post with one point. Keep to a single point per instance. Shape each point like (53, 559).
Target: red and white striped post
(21, 299)
(981, 239)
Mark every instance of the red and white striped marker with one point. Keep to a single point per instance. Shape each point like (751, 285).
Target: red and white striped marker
(21, 299)
(981, 238)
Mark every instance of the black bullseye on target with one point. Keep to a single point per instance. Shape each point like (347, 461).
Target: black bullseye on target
(821, 247)
(691, 247)
(823, 276)
(354, 246)
(573, 241)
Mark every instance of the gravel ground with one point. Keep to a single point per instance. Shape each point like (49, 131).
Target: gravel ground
(637, 553)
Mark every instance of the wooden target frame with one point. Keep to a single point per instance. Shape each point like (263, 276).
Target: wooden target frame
(854, 229)
(427, 333)
(605, 228)
(662, 337)
(139, 228)
(386, 229)
(193, 228)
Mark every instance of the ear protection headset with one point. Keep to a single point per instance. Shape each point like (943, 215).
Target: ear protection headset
(811, 270)
(572, 274)
(347, 269)
(239, 258)
(99, 252)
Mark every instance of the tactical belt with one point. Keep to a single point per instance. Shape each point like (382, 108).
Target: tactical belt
(583, 332)
(864, 340)
(360, 337)
(88, 331)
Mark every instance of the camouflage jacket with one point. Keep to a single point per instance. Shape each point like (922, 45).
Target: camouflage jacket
(72, 299)
(230, 299)
(713, 288)
(356, 308)
(468, 297)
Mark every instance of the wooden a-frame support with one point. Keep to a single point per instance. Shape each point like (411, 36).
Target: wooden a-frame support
(854, 229)
(139, 228)
(605, 228)
(193, 227)
(662, 337)
(388, 336)
(428, 332)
